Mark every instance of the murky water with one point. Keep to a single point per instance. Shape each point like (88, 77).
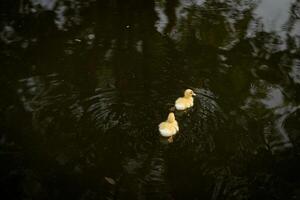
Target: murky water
(84, 85)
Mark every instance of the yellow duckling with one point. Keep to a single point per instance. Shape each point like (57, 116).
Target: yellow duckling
(185, 102)
(169, 127)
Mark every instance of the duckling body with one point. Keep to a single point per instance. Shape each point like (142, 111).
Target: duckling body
(169, 127)
(185, 102)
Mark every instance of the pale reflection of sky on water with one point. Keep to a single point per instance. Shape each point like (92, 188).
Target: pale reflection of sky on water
(274, 14)
(46, 4)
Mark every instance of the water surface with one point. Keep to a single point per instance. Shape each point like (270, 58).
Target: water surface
(84, 85)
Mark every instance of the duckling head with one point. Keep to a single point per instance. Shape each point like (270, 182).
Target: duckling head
(171, 117)
(189, 93)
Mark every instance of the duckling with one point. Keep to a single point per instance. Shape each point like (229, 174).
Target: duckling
(182, 103)
(170, 127)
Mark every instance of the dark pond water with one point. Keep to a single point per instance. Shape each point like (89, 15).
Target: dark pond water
(84, 85)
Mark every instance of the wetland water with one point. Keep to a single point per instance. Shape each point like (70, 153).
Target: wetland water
(84, 85)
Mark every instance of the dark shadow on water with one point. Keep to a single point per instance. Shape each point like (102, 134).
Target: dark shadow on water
(84, 85)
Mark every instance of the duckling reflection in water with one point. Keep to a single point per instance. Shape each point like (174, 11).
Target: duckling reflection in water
(169, 127)
(185, 102)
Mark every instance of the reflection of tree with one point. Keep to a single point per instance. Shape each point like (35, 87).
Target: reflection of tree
(294, 15)
(117, 77)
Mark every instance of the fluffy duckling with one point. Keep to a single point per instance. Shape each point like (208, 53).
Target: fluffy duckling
(182, 103)
(170, 127)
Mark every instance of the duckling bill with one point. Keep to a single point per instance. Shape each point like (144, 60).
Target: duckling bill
(185, 102)
(169, 127)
